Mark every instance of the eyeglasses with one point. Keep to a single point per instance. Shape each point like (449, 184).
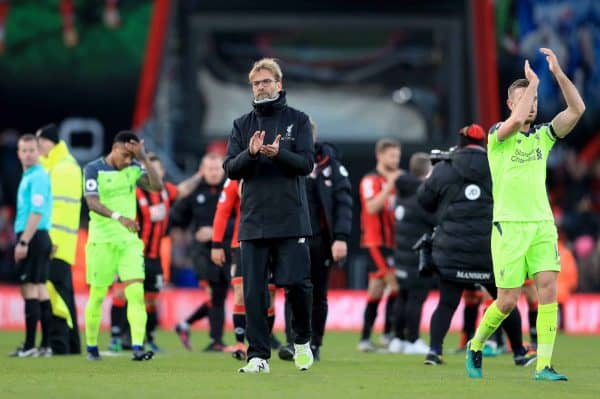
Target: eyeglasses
(266, 82)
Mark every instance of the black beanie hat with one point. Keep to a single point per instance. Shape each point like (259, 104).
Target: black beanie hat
(49, 132)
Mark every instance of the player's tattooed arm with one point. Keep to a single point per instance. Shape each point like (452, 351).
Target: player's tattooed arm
(150, 181)
(94, 205)
(187, 186)
(566, 120)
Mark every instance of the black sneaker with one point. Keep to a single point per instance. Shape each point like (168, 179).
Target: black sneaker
(15, 353)
(214, 347)
(316, 352)
(239, 354)
(184, 336)
(433, 359)
(153, 347)
(274, 342)
(141, 355)
(286, 352)
(525, 360)
(93, 354)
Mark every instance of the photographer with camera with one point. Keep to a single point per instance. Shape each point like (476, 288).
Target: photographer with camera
(412, 222)
(459, 190)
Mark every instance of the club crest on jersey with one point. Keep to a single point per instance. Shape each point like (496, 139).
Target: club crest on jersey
(327, 171)
(201, 198)
(288, 134)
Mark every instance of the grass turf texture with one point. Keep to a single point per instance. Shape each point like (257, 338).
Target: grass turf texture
(343, 373)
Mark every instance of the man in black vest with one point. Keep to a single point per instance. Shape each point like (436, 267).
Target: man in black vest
(275, 221)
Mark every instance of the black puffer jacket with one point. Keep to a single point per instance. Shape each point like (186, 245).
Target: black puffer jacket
(460, 190)
(334, 190)
(274, 202)
(412, 221)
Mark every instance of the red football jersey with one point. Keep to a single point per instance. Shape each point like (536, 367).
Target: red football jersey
(228, 202)
(153, 216)
(377, 230)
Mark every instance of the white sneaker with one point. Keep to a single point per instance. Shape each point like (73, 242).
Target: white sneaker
(397, 346)
(303, 356)
(44, 351)
(33, 352)
(365, 346)
(416, 348)
(385, 339)
(256, 365)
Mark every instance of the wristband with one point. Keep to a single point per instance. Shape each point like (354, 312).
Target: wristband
(115, 215)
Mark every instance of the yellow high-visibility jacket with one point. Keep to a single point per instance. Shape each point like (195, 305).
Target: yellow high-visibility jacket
(67, 187)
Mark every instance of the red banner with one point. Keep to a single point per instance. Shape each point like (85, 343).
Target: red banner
(582, 311)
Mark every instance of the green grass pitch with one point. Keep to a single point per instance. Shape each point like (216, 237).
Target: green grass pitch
(343, 373)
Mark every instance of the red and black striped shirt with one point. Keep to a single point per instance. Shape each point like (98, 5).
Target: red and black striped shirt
(153, 216)
(377, 229)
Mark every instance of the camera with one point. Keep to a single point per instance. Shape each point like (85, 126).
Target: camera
(424, 247)
(436, 155)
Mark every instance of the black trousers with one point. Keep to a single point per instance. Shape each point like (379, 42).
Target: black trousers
(64, 340)
(216, 314)
(450, 294)
(320, 266)
(408, 307)
(288, 260)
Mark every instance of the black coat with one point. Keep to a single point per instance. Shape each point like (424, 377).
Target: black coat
(334, 192)
(197, 209)
(460, 190)
(274, 202)
(412, 221)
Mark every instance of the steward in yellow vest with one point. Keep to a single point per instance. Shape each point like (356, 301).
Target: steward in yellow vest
(66, 183)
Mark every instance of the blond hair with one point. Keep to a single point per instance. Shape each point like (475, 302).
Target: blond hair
(385, 143)
(270, 64)
(517, 84)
